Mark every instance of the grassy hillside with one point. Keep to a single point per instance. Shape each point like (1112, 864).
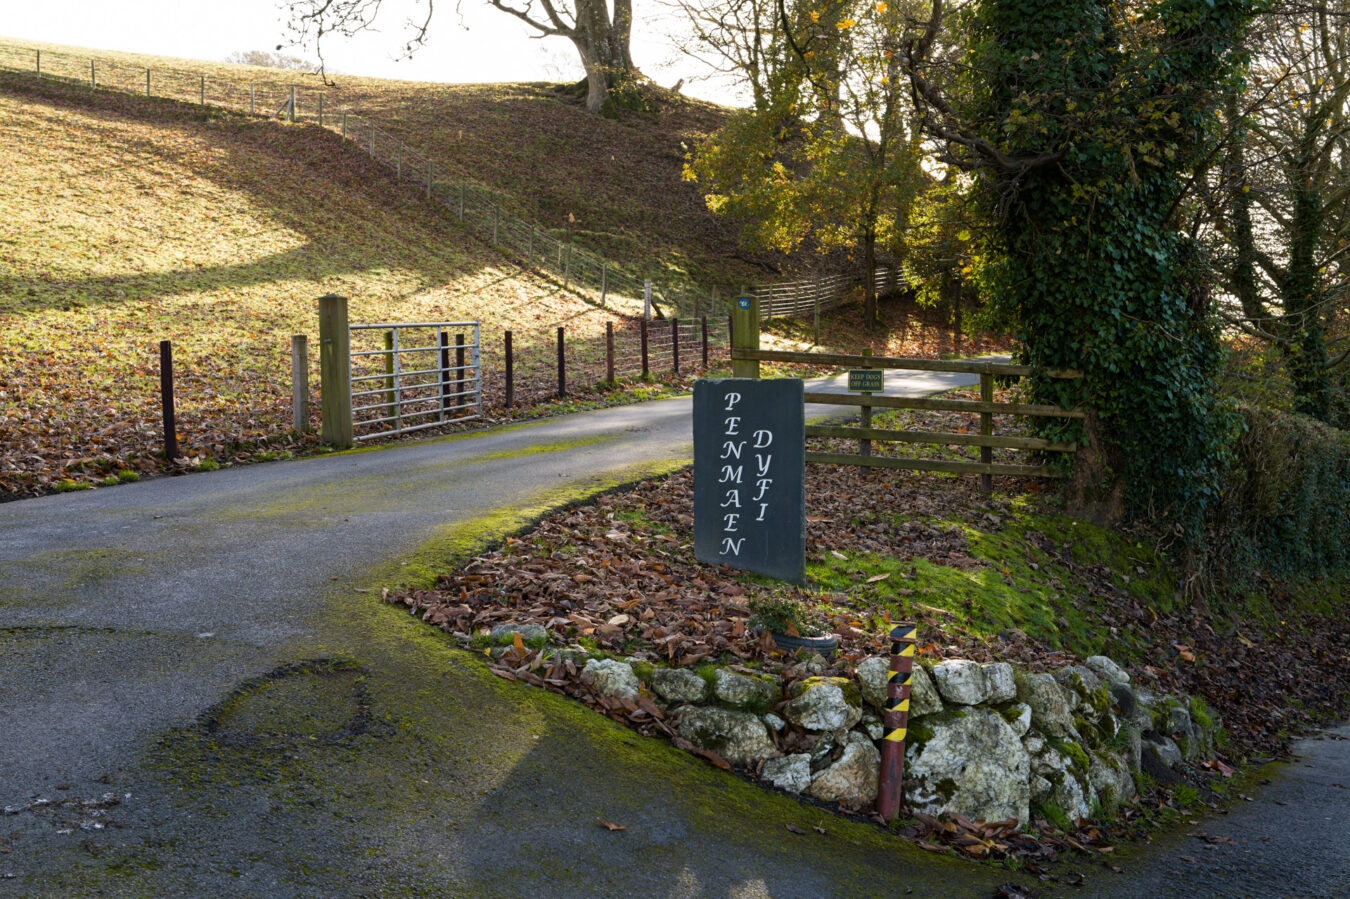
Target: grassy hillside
(613, 187)
(125, 221)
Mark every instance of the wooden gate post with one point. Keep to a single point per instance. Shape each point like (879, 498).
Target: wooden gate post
(609, 353)
(865, 444)
(335, 371)
(745, 334)
(986, 430)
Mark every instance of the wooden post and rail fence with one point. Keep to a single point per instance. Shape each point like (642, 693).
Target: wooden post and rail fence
(746, 357)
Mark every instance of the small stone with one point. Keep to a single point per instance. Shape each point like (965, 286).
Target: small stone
(810, 666)
(1086, 687)
(676, 685)
(961, 681)
(791, 772)
(1018, 716)
(1074, 797)
(999, 678)
(611, 678)
(1110, 776)
(1034, 743)
(739, 737)
(530, 634)
(1108, 670)
(873, 725)
(774, 723)
(852, 780)
(824, 704)
(742, 692)
(923, 694)
(1050, 711)
(1165, 748)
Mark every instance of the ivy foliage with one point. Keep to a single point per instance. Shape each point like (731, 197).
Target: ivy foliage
(1115, 106)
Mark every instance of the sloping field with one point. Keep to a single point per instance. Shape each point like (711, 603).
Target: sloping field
(610, 186)
(125, 221)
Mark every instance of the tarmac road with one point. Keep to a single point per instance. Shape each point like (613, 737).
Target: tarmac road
(201, 694)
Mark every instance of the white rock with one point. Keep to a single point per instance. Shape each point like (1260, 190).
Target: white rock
(1108, 670)
(822, 705)
(1022, 723)
(774, 723)
(999, 678)
(611, 678)
(678, 685)
(973, 764)
(1050, 710)
(852, 780)
(739, 691)
(739, 737)
(791, 772)
(961, 681)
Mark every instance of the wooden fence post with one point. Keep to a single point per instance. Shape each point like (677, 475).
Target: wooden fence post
(647, 299)
(38, 67)
(320, 109)
(251, 97)
(604, 282)
(675, 345)
(745, 334)
(461, 202)
(147, 82)
(372, 140)
(642, 331)
(510, 373)
(335, 371)
(567, 266)
(93, 78)
(430, 164)
(496, 221)
(202, 85)
(562, 365)
(705, 343)
(166, 399)
(300, 383)
(290, 106)
(865, 443)
(609, 353)
(344, 124)
(986, 430)
(816, 338)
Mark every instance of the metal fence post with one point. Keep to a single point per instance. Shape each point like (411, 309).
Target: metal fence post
(461, 202)
(372, 140)
(496, 221)
(604, 282)
(166, 399)
(335, 376)
(93, 79)
(675, 345)
(38, 66)
(147, 82)
(429, 168)
(290, 106)
(445, 373)
(567, 267)
(202, 89)
(300, 383)
(642, 331)
(647, 299)
(252, 89)
(896, 720)
(344, 125)
(459, 372)
(510, 373)
(562, 365)
(320, 109)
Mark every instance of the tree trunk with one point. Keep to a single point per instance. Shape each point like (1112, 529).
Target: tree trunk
(604, 48)
(870, 315)
(1307, 351)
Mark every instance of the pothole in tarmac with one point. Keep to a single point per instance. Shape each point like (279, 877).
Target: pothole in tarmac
(315, 701)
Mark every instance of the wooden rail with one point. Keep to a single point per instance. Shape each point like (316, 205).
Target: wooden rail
(746, 356)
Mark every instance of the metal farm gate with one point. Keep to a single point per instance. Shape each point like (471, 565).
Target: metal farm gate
(414, 375)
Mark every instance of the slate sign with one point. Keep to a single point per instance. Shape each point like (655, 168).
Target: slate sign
(749, 467)
(865, 380)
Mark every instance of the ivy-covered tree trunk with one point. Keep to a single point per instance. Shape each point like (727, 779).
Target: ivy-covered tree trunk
(1306, 350)
(1087, 258)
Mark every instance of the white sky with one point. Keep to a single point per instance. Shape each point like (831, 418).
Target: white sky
(476, 44)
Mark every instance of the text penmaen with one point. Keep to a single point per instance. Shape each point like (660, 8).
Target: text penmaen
(749, 464)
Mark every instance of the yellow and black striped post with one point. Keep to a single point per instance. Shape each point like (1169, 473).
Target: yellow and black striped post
(896, 720)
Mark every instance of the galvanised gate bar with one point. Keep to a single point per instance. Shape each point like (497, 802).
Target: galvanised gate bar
(409, 376)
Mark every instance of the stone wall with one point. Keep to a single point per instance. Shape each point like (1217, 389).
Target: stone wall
(986, 740)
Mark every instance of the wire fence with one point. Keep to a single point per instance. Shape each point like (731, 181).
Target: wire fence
(476, 206)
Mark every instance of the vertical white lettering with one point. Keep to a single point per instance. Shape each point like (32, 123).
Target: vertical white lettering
(731, 448)
(730, 475)
(733, 425)
(762, 462)
(763, 438)
(733, 500)
(732, 400)
(762, 508)
(731, 547)
(764, 484)
(731, 521)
